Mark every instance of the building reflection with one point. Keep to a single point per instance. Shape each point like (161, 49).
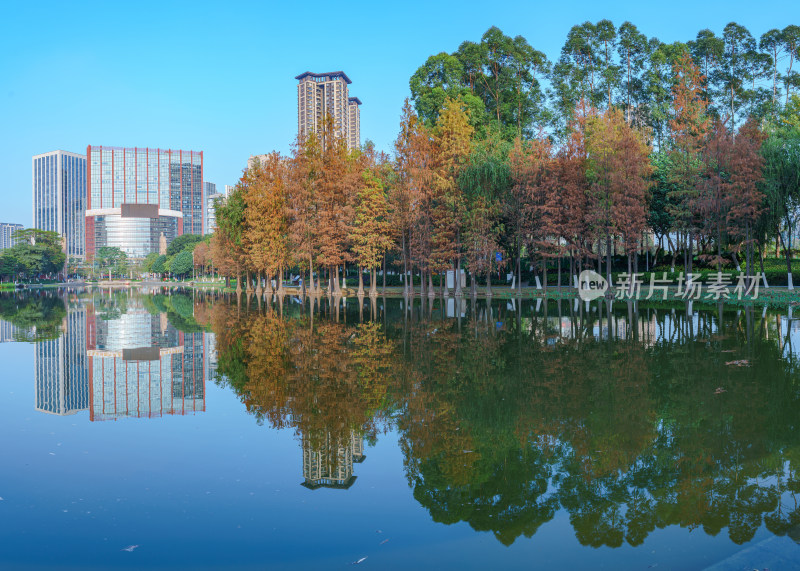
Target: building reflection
(121, 362)
(7, 331)
(62, 383)
(328, 461)
(141, 366)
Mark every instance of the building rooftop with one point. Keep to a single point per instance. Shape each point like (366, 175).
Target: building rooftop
(60, 151)
(354, 100)
(142, 149)
(329, 75)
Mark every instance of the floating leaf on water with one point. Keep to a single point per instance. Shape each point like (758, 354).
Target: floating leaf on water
(359, 561)
(129, 548)
(382, 542)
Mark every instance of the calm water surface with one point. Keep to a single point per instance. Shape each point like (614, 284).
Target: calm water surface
(199, 433)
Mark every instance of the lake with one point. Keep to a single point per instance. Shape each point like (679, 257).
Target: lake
(181, 430)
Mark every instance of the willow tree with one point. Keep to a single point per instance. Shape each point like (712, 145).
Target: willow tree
(781, 153)
(484, 179)
(226, 244)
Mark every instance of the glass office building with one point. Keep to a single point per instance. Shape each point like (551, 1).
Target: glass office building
(135, 229)
(136, 195)
(59, 197)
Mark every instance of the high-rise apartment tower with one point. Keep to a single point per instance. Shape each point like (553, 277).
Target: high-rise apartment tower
(327, 94)
(7, 234)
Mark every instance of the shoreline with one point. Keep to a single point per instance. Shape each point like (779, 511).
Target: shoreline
(774, 295)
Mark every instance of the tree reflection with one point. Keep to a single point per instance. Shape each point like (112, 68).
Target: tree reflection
(36, 317)
(629, 419)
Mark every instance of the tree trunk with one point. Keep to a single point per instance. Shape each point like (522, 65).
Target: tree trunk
(544, 276)
(312, 285)
(405, 267)
(630, 272)
(373, 282)
(787, 252)
(457, 274)
(473, 286)
(268, 283)
(489, 281)
(361, 281)
(559, 275)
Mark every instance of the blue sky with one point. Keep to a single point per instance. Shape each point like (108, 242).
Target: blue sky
(218, 77)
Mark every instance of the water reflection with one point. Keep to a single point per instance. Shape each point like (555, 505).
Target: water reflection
(627, 418)
(624, 418)
(60, 365)
(114, 354)
(328, 462)
(139, 365)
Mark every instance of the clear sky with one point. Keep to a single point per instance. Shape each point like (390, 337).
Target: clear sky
(219, 76)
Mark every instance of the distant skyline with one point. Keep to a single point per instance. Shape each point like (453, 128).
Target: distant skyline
(219, 77)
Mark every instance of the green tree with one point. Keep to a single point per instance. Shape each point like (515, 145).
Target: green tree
(633, 50)
(181, 264)
(781, 153)
(497, 79)
(8, 265)
(151, 258)
(38, 252)
(112, 259)
(442, 76)
(183, 242)
(159, 265)
(735, 70)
